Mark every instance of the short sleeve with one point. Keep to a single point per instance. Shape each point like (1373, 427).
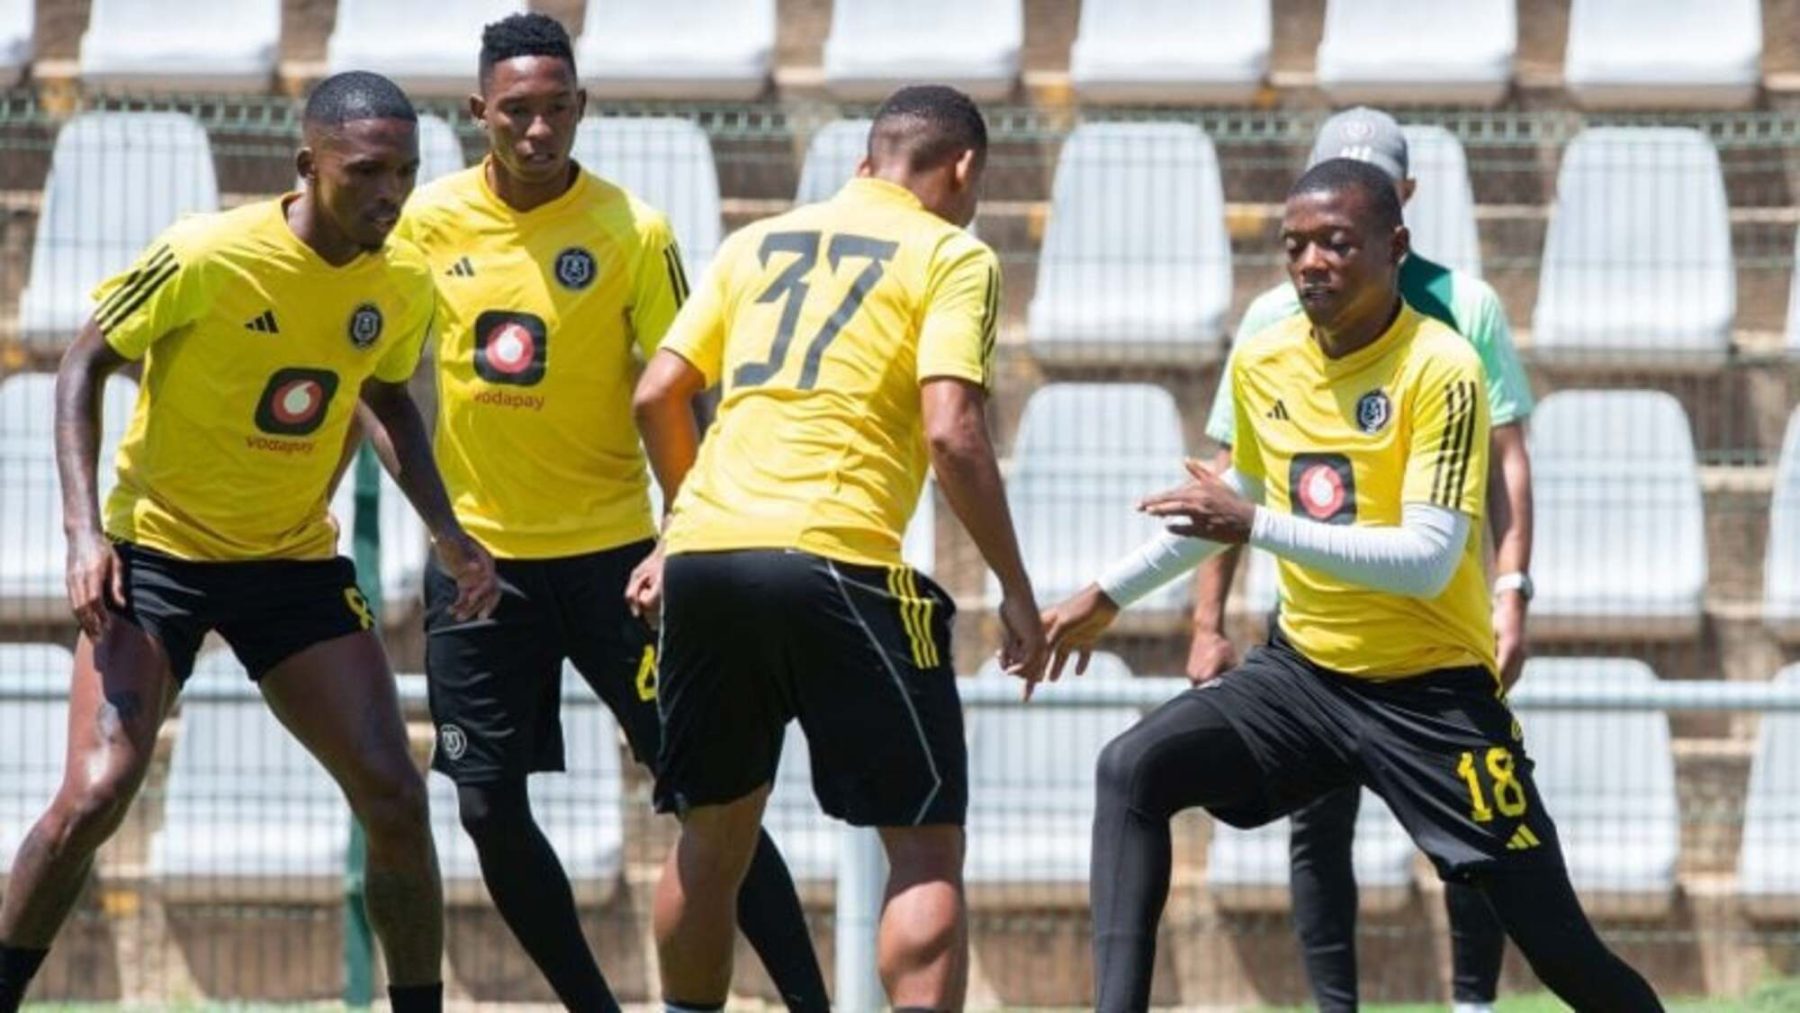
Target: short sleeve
(1447, 458)
(661, 285)
(1508, 388)
(157, 295)
(697, 332)
(1246, 453)
(400, 361)
(962, 315)
(1221, 421)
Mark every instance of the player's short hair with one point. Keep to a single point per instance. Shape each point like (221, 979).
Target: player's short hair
(1338, 174)
(357, 95)
(926, 124)
(530, 34)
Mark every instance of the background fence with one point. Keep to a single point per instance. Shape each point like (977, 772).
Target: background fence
(1644, 262)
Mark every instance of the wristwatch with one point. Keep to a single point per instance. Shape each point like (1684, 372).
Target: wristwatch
(1515, 581)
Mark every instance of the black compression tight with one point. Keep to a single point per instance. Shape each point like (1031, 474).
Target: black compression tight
(1186, 754)
(531, 891)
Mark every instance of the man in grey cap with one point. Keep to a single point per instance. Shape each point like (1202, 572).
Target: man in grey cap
(1324, 886)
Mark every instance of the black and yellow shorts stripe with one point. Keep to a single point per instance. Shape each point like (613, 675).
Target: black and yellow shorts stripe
(859, 655)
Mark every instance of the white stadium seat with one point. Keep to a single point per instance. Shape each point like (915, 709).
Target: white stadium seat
(877, 45)
(1608, 779)
(17, 30)
(1637, 258)
(580, 809)
(440, 153)
(1031, 785)
(1417, 51)
(1768, 870)
(722, 49)
(248, 814)
(1781, 566)
(34, 733)
(200, 45)
(831, 159)
(426, 46)
(33, 552)
(1085, 453)
(1136, 262)
(1247, 870)
(116, 181)
(405, 544)
(1170, 50)
(1441, 214)
(668, 164)
(1663, 53)
(1620, 535)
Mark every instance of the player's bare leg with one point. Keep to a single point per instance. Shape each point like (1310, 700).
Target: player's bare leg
(121, 691)
(696, 900)
(338, 699)
(923, 945)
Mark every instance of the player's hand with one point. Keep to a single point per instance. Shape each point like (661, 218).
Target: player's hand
(477, 584)
(1509, 636)
(1076, 625)
(95, 577)
(1022, 646)
(643, 591)
(1204, 508)
(1210, 656)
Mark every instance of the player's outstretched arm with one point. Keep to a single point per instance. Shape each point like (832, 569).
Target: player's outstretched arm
(93, 571)
(955, 417)
(415, 471)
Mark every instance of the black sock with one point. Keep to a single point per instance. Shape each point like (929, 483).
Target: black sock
(417, 998)
(1184, 753)
(532, 893)
(769, 913)
(18, 966)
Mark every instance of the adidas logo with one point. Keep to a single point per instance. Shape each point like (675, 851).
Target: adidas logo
(1279, 413)
(1522, 839)
(461, 269)
(263, 323)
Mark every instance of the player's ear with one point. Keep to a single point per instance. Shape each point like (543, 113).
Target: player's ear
(967, 165)
(306, 164)
(580, 103)
(478, 108)
(864, 168)
(1402, 243)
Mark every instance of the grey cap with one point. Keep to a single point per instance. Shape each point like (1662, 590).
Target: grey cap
(1367, 135)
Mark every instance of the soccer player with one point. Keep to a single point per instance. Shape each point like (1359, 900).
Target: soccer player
(543, 465)
(1324, 883)
(853, 340)
(1361, 463)
(259, 329)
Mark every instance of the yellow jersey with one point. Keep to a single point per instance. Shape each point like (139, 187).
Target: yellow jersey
(1351, 441)
(255, 351)
(821, 324)
(537, 446)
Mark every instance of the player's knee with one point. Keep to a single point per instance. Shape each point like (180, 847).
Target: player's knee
(920, 855)
(1116, 770)
(491, 817)
(83, 818)
(393, 807)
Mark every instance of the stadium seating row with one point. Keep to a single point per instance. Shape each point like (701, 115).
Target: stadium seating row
(1135, 265)
(1620, 52)
(1620, 527)
(248, 815)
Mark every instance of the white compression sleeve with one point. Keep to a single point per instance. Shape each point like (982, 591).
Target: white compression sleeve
(1415, 559)
(1168, 555)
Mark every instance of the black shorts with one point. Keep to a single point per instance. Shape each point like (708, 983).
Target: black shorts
(1442, 749)
(495, 684)
(859, 654)
(267, 610)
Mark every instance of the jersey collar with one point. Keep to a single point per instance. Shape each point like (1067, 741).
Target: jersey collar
(880, 191)
(1405, 322)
